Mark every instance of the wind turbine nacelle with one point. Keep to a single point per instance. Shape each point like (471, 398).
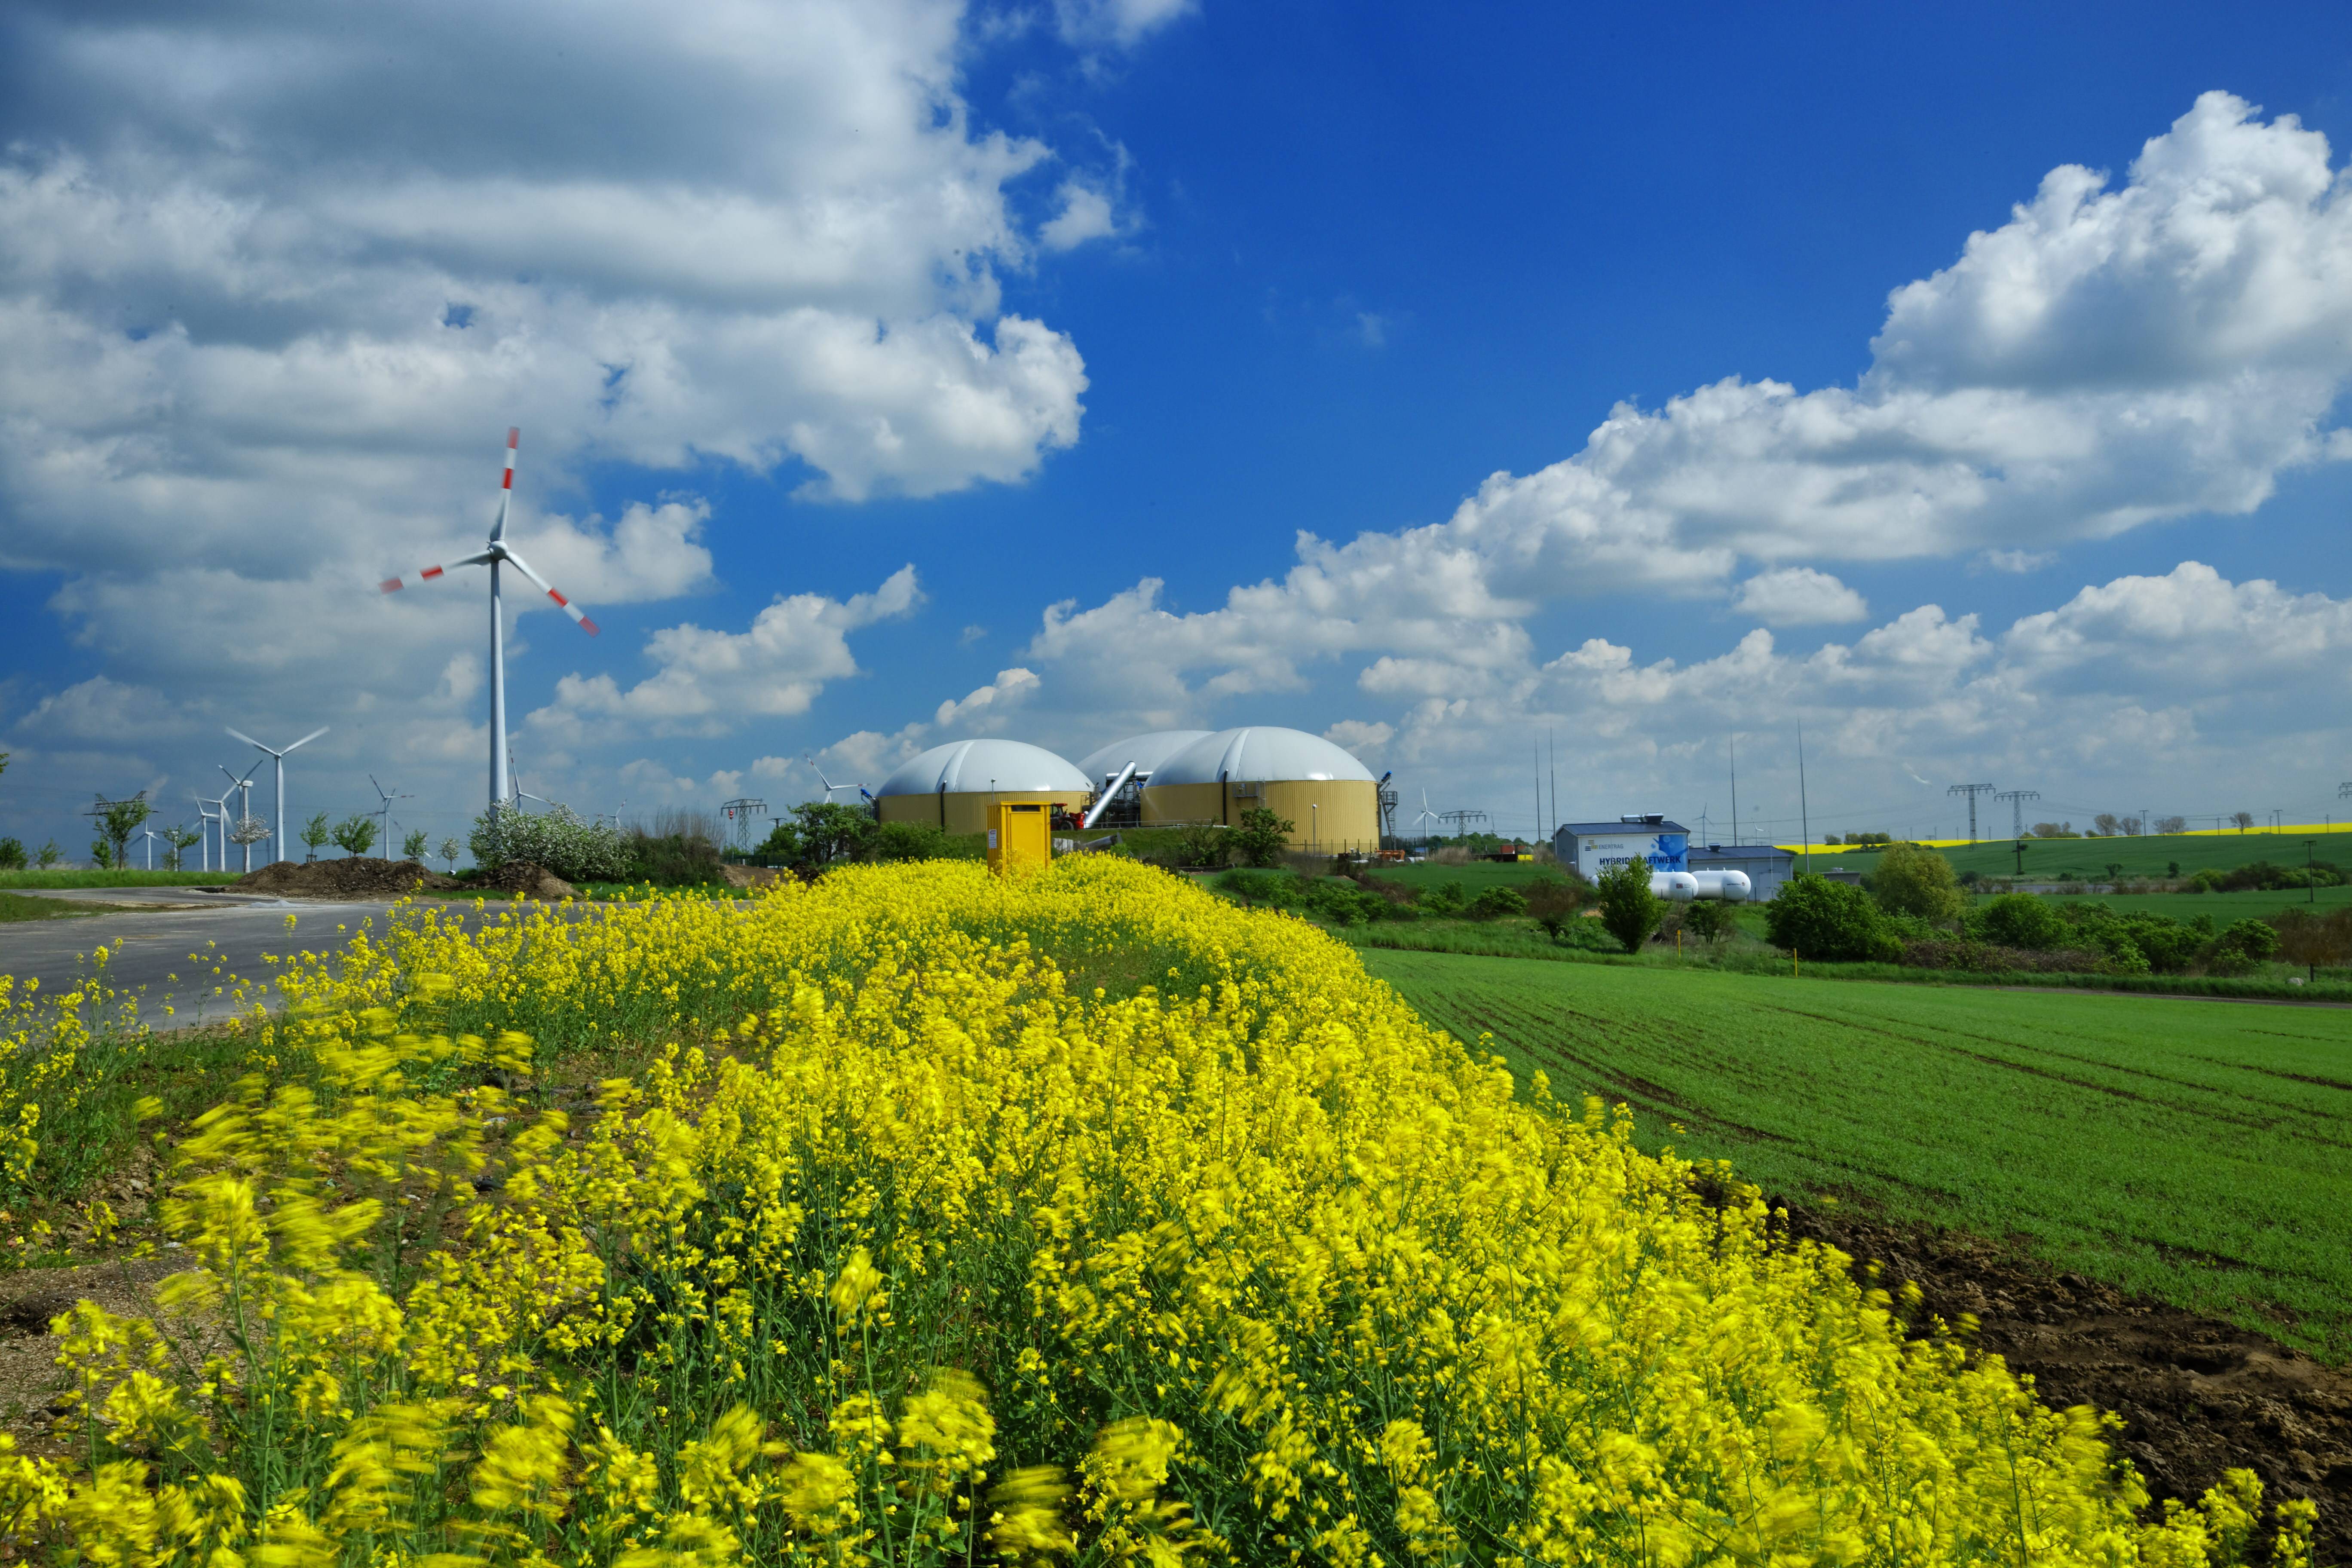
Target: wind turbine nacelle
(1731, 887)
(1674, 886)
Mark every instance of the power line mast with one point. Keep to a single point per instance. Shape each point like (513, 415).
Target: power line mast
(1462, 821)
(740, 813)
(2016, 799)
(1971, 791)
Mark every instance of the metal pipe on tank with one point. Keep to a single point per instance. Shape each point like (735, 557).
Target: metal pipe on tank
(1102, 800)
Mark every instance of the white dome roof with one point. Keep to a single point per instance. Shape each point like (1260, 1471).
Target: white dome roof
(975, 767)
(1259, 754)
(1145, 751)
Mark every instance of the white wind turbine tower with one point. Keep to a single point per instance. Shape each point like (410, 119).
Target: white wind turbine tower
(278, 800)
(245, 830)
(494, 555)
(1426, 818)
(209, 812)
(384, 814)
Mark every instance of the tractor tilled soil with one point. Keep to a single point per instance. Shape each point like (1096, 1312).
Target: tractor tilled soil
(352, 876)
(2198, 1396)
(365, 877)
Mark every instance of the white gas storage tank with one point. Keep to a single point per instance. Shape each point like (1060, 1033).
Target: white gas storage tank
(1674, 886)
(1731, 887)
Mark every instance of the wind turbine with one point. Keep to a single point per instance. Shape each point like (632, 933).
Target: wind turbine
(204, 831)
(243, 789)
(383, 812)
(277, 801)
(829, 785)
(1426, 818)
(494, 555)
(217, 813)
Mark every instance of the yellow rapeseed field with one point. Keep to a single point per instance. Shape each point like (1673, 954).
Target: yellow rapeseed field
(1074, 1215)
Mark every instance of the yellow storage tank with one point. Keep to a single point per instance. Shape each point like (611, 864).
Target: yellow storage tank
(952, 786)
(1331, 799)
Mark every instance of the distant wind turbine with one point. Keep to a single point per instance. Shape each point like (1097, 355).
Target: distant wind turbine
(205, 830)
(1426, 818)
(277, 801)
(494, 555)
(829, 785)
(383, 812)
(235, 833)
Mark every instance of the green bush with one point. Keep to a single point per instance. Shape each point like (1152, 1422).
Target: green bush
(1628, 910)
(1709, 920)
(1261, 837)
(910, 841)
(1836, 922)
(676, 858)
(1203, 845)
(1495, 902)
(2017, 920)
(12, 853)
(2244, 947)
(1554, 900)
(1445, 899)
(1910, 880)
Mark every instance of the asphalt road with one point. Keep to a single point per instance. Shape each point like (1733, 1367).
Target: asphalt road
(150, 944)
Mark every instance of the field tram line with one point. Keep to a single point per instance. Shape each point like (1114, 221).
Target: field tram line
(2219, 1086)
(2278, 1072)
(1948, 1047)
(1645, 1095)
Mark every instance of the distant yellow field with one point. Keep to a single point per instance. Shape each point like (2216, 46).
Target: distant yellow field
(2303, 828)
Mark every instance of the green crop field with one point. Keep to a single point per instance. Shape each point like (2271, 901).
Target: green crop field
(2191, 1150)
(1474, 877)
(2224, 907)
(2153, 856)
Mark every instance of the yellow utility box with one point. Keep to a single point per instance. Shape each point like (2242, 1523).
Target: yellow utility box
(1020, 833)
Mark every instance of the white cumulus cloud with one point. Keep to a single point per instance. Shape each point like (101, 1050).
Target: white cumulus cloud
(1798, 596)
(2120, 352)
(708, 681)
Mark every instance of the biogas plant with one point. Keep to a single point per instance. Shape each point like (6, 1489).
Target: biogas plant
(1172, 778)
(1165, 779)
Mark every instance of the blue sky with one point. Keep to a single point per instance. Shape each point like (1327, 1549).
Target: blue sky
(1321, 270)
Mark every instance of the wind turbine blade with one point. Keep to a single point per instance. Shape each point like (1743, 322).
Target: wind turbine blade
(308, 737)
(506, 486)
(417, 579)
(250, 741)
(569, 608)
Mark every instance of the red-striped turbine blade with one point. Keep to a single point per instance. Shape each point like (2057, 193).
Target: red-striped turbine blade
(395, 584)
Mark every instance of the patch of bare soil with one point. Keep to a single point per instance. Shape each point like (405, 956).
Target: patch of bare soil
(2198, 1396)
(353, 877)
(31, 1382)
(522, 876)
(750, 876)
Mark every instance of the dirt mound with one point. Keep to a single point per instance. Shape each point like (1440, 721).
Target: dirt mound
(532, 881)
(750, 876)
(2198, 1396)
(354, 876)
